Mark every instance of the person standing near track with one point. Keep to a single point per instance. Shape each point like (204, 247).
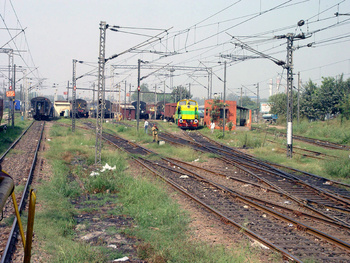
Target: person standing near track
(146, 126)
(212, 126)
(155, 133)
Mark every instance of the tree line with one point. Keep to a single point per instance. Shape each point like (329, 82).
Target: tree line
(330, 99)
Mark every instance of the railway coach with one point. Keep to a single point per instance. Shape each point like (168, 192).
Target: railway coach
(41, 108)
(1, 109)
(186, 114)
(2, 127)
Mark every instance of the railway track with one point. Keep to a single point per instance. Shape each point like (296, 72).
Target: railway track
(20, 164)
(318, 142)
(326, 203)
(294, 239)
(336, 188)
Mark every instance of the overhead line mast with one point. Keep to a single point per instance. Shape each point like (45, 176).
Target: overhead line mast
(289, 66)
(100, 92)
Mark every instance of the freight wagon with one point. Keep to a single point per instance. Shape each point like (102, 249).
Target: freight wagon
(169, 112)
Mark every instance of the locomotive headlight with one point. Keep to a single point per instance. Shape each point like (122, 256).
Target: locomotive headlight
(195, 121)
(181, 121)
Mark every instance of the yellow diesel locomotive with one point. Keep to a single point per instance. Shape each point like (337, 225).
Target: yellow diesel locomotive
(186, 114)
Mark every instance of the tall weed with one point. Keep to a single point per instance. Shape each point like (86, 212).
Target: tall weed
(338, 168)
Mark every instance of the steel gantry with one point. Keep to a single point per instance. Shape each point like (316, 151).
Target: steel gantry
(100, 92)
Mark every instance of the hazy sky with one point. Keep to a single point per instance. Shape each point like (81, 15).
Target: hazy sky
(199, 33)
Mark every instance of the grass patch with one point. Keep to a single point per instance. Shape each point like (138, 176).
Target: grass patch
(163, 227)
(11, 134)
(339, 168)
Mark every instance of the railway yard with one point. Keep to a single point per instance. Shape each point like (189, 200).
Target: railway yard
(175, 132)
(282, 214)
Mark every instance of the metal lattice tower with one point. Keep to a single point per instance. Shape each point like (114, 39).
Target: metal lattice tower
(100, 93)
(289, 68)
(74, 93)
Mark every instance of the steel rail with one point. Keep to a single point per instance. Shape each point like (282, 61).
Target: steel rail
(340, 198)
(318, 142)
(13, 235)
(278, 172)
(272, 170)
(302, 226)
(223, 218)
(15, 142)
(301, 202)
(323, 217)
(279, 165)
(297, 180)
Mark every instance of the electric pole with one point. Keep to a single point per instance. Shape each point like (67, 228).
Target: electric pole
(68, 91)
(26, 88)
(224, 124)
(124, 100)
(74, 93)
(241, 95)
(257, 103)
(93, 98)
(298, 96)
(164, 102)
(155, 102)
(100, 96)
(13, 98)
(138, 92)
(289, 66)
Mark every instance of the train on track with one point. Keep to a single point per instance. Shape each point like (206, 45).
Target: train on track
(186, 114)
(41, 108)
(143, 109)
(1, 110)
(109, 110)
(81, 108)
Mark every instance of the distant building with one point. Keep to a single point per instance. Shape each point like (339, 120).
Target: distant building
(61, 107)
(236, 115)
